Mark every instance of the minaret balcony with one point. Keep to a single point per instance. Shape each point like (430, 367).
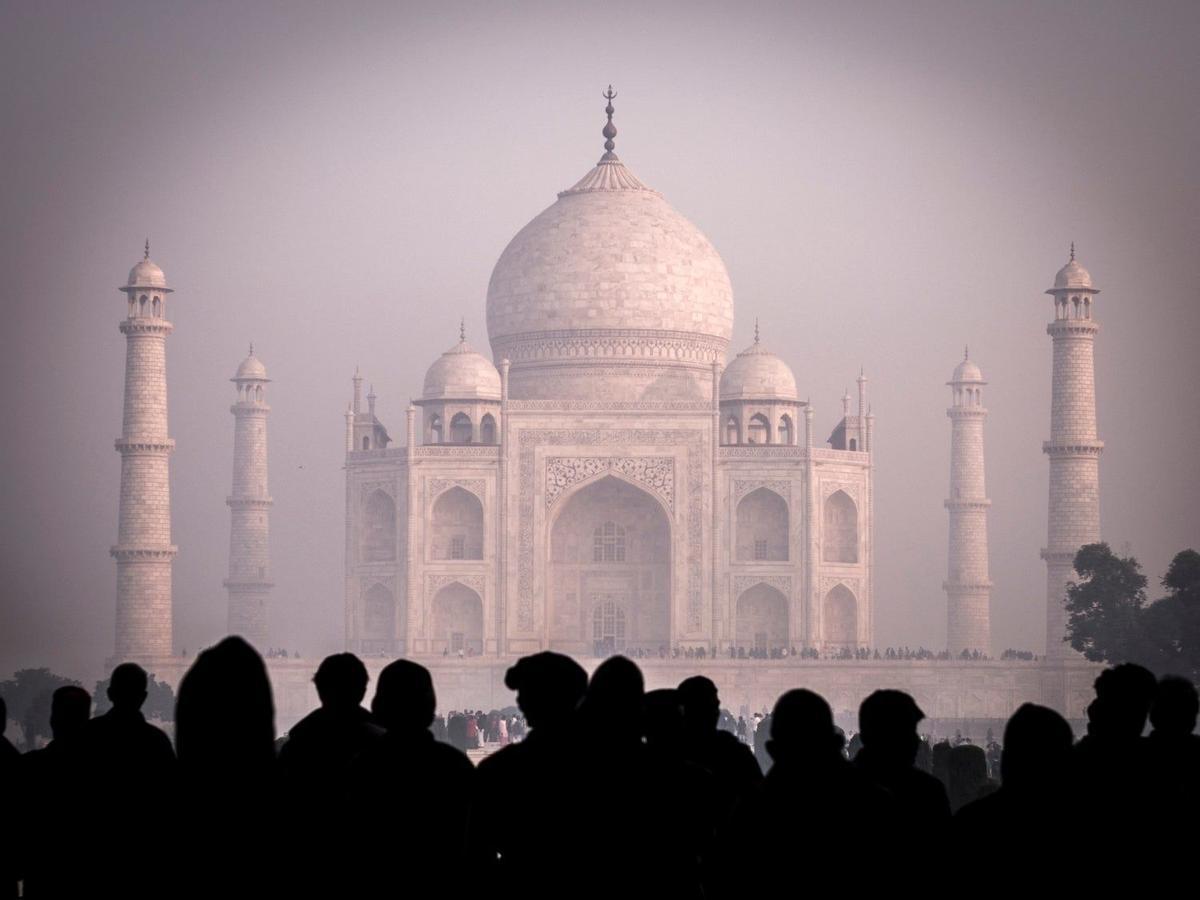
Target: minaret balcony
(1081, 449)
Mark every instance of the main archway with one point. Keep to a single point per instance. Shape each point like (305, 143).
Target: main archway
(609, 578)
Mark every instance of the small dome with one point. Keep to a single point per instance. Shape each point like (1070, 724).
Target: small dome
(1072, 276)
(146, 275)
(758, 374)
(967, 372)
(462, 374)
(251, 369)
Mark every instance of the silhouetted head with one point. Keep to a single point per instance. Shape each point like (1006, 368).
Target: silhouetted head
(70, 709)
(967, 764)
(662, 721)
(1037, 748)
(549, 687)
(802, 728)
(1124, 695)
(127, 687)
(939, 761)
(225, 715)
(614, 698)
(404, 697)
(887, 721)
(701, 704)
(1175, 708)
(341, 681)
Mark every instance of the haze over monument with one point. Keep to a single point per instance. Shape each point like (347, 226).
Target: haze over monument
(870, 214)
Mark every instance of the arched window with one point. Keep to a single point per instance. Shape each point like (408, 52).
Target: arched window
(840, 524)
(157, 307)
(460, 429)
(258, 393)
(366, 442)
(759, 431)
(762, 527)
(457, 526)
(608, 543)
(487, 429)
(379, 531)
(435, 430)
(785, 430)
(142, 304)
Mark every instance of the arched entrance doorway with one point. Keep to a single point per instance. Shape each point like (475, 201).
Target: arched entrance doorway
(609, 573)
(762, 620)
(457, 621)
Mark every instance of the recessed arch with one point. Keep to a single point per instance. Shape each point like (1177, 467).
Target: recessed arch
(487, 429)
(839, 540)
(762, 527)
(762, 619)
(759, 430)
(379, 615)
(456, 525)
(732, 430)
(379, 527)
(457, 620)
(460, 429)
(840, 618)
(787, 431)
(631, 585)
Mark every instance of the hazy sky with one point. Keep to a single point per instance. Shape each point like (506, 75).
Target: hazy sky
(335, 182)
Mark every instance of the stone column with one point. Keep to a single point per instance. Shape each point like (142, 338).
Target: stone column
(1073, 448)
(143, 551)
(968, 587)
(249, 584)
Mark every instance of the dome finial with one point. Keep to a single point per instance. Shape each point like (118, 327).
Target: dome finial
(966, 352)
(1072, 251)
(252, 348)
(610, 130)
(462, 329)
(147, 256)
(756, 329)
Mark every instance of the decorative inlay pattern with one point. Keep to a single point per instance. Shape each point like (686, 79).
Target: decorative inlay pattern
(829, 488)
(742, 488)
(435, 582)
(829, 582)
(781, 583)
(655, 472)
(472, 485)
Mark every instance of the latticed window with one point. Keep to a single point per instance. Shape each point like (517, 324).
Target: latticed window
(608, 543)
(458, 547)
(608, 627)
(760, 549)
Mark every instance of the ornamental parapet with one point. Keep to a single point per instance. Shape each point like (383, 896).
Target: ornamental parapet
(144, 553)
(760, 451)
(966, 412)
(385, 454)
(249, 409)
(1060, 556)
(588, 405)
(254, 583)
(981, 503)
(132, 446)
(143, 326)
(645, 345)
(1082, 328)
(451, 451)
(249, 502)
(1073, 448)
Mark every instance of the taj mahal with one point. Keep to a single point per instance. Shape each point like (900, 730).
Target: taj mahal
(615, 477)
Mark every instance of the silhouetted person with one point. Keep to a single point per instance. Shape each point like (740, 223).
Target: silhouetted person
(968, 777)
(315, 764)
(887, 721)
(410, 798)
(1112, 760)
(225, 737)
(1174, 751)
(527, 840)
(812, 798)
(621, 781)
(130, 768)
(734, 769)
(1030, 818)
(55, 788)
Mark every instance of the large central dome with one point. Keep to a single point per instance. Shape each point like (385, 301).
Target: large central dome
(610, 292)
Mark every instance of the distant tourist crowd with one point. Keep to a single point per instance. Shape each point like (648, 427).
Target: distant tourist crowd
(735, 651)
(598, 789)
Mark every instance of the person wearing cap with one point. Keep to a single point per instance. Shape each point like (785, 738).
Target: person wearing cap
(887, 722)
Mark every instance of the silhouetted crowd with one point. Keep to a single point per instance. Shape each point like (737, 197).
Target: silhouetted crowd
(603, 651)
(614, 791)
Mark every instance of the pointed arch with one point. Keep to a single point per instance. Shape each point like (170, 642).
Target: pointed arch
(487, 429)
(839, 539)
(759, 430)
(762, 527)
(460, 429)
(762, 619)
(839, 617)
(456, 525)
(457, 620)
(787, 431)
(379, 527)
(379, 615)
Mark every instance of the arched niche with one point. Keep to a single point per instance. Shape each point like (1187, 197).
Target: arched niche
(787, 430)
(762, 527)
(460, 429)
(456, 526)
(840, 618)
(378, 618)
(379, 527)
(487, 429)
(762, 619)
(609, 570)
(457, 621)
(839, 529)
(759, 430)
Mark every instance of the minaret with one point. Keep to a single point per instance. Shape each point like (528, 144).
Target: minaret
(143, 550)
(968, 590)
(249, 506)
(1074, 451)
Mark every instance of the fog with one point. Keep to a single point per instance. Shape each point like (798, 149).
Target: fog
(885, 183)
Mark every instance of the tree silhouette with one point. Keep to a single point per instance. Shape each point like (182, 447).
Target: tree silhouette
(28, 695)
